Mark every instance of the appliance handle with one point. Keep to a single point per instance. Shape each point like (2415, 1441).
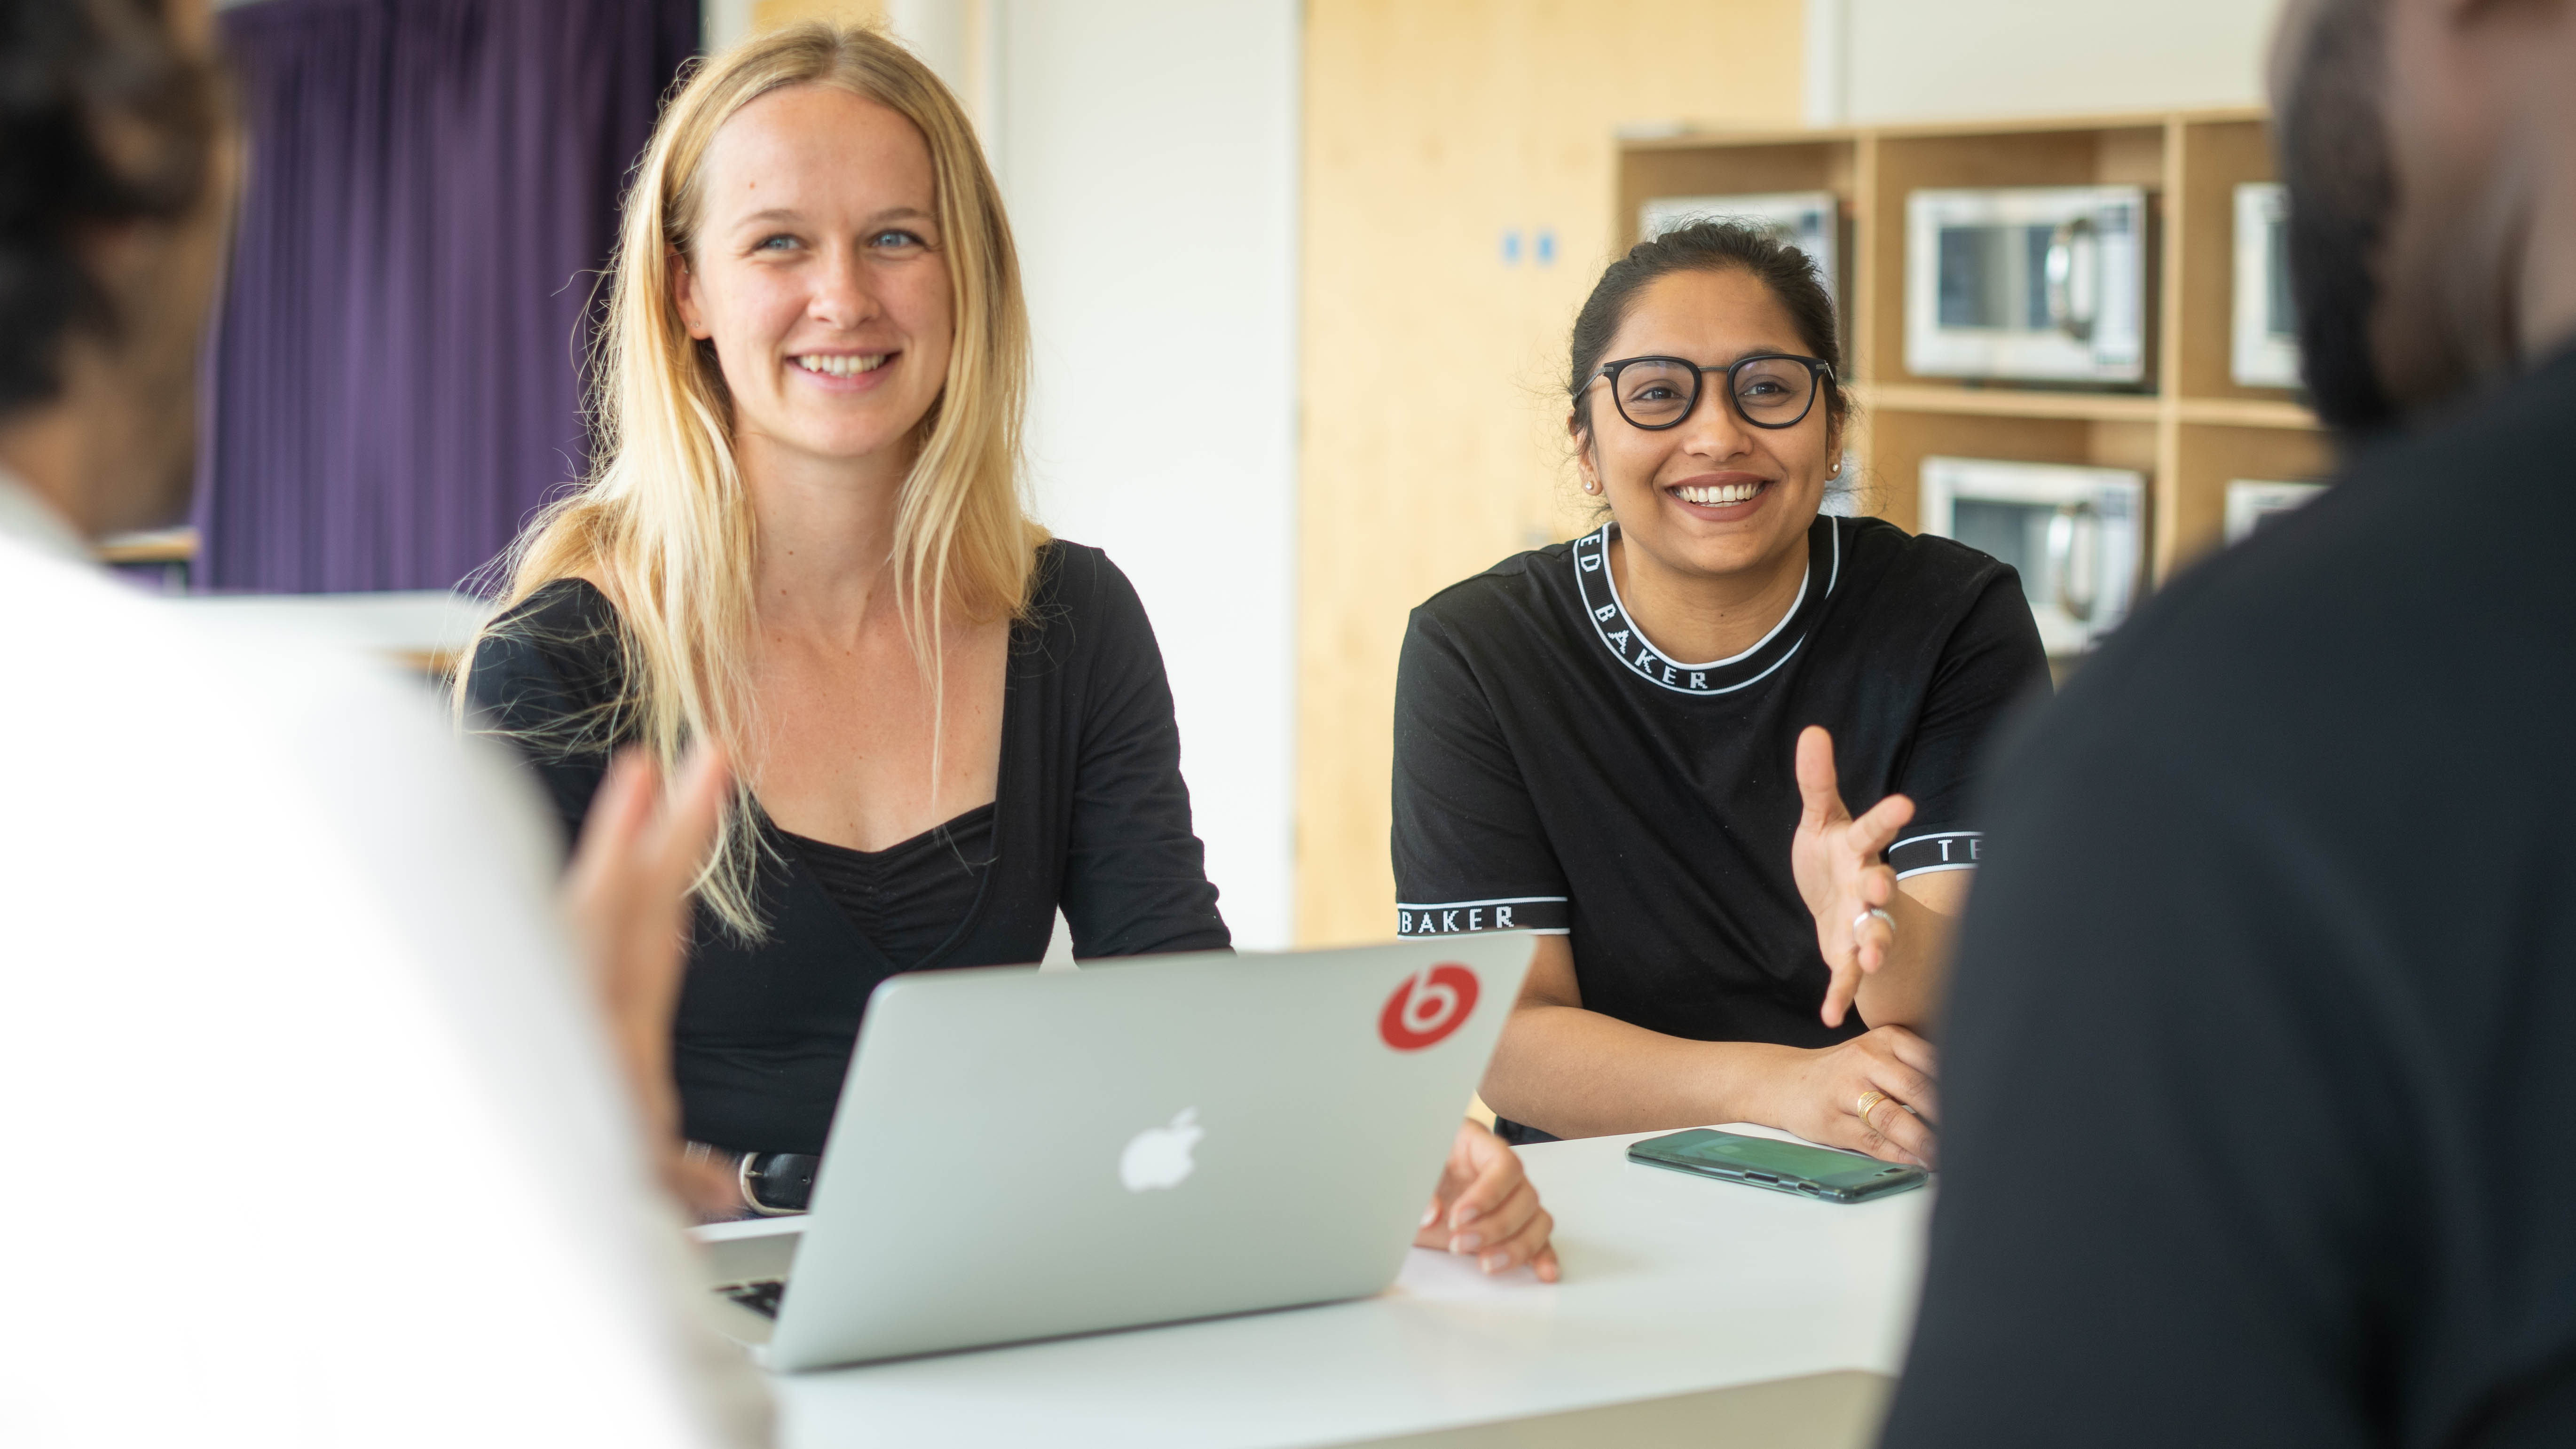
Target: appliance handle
(2075, 532)
(2061, 276)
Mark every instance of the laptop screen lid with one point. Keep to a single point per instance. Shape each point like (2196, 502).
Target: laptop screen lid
(1021, 1154)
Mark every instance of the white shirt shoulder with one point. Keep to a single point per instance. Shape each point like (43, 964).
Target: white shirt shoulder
(316, 1141)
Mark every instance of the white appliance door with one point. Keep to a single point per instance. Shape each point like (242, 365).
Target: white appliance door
(2253, 502)
(2265, 351)
(2075, 535)
(2042, 283)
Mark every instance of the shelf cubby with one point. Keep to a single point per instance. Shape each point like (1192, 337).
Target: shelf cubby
(2191, 515)
(2191, 431)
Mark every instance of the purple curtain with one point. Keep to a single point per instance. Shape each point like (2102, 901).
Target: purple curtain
(394, 382)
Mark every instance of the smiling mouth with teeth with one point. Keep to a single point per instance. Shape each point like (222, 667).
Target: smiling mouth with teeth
(843, 364)
(1720, 496)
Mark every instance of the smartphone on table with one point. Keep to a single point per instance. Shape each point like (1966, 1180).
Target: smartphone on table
(1817, 1172)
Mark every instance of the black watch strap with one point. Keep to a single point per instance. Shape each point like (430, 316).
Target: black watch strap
(778, 1182)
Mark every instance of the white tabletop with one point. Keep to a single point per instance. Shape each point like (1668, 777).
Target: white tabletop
(426, 621)
(1673, 1284)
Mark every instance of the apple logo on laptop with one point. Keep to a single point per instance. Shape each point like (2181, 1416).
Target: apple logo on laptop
(1160, 1156)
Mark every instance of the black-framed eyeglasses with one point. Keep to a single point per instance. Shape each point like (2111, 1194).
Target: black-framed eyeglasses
(1768, 389)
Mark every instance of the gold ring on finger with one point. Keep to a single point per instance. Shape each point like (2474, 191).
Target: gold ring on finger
(1869, 1103)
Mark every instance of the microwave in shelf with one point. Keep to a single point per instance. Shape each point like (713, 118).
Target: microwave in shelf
(2266, 350)
(1811, 221)
(2076, 535)
(2254, 502)
(2034, 283)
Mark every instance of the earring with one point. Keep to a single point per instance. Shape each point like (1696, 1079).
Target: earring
(1591, 487)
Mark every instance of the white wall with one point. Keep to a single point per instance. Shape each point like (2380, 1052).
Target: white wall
(722, 22)
(1902, 60)
(1148, 153)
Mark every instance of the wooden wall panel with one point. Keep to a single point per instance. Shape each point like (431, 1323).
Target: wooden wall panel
(1905, 163)
(1700, 171)
(2209, 458)
(1795, 165)
(2216, 157)
(1432, 442)
(770, 14)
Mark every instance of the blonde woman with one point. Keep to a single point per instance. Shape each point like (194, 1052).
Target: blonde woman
(805, 541)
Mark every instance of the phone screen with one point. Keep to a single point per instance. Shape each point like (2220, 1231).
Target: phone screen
(1791, 1162)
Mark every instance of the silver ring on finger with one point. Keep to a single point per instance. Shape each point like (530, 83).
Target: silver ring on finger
(1878, 912)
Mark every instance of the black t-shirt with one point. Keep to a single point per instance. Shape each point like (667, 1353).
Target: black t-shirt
(1554, 771)
(1090, 815)
(2258, 1078)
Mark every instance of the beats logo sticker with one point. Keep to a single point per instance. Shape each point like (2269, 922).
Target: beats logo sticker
(1427, 1007)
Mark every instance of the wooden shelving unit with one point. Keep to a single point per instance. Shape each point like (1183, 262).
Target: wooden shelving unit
(2190, 433)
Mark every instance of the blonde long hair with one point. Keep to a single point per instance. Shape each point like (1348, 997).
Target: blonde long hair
(663, 522)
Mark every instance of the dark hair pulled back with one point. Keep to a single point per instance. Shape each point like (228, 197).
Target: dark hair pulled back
(1708, 246)
(104, 119)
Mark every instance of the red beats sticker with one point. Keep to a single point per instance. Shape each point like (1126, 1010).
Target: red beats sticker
(1427, 1007)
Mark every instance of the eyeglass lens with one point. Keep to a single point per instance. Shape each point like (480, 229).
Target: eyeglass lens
(1769, 391)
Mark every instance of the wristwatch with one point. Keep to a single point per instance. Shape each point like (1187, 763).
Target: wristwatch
(776, 1184)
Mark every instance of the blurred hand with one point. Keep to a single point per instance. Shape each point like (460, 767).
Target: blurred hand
(1485, 1206)
(626, 898)
(1836, 861)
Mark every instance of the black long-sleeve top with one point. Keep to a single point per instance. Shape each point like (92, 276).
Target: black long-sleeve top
(1090, 814)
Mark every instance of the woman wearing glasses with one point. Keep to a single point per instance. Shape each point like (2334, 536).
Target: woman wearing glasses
(804, 541)
(1639, 743)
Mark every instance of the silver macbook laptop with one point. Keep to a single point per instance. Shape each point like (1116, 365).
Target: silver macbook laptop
(1023, 1154)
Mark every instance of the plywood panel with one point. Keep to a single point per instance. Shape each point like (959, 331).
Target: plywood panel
(2216, 158)
(1899, 441)
(770, 14)
(2207, 458)
(1816, 165)
(1789, 166)
(1433, 435)
(2130, 155)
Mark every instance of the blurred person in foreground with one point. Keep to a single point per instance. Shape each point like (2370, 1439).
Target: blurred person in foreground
(2263, 1046)
(314, 1136)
